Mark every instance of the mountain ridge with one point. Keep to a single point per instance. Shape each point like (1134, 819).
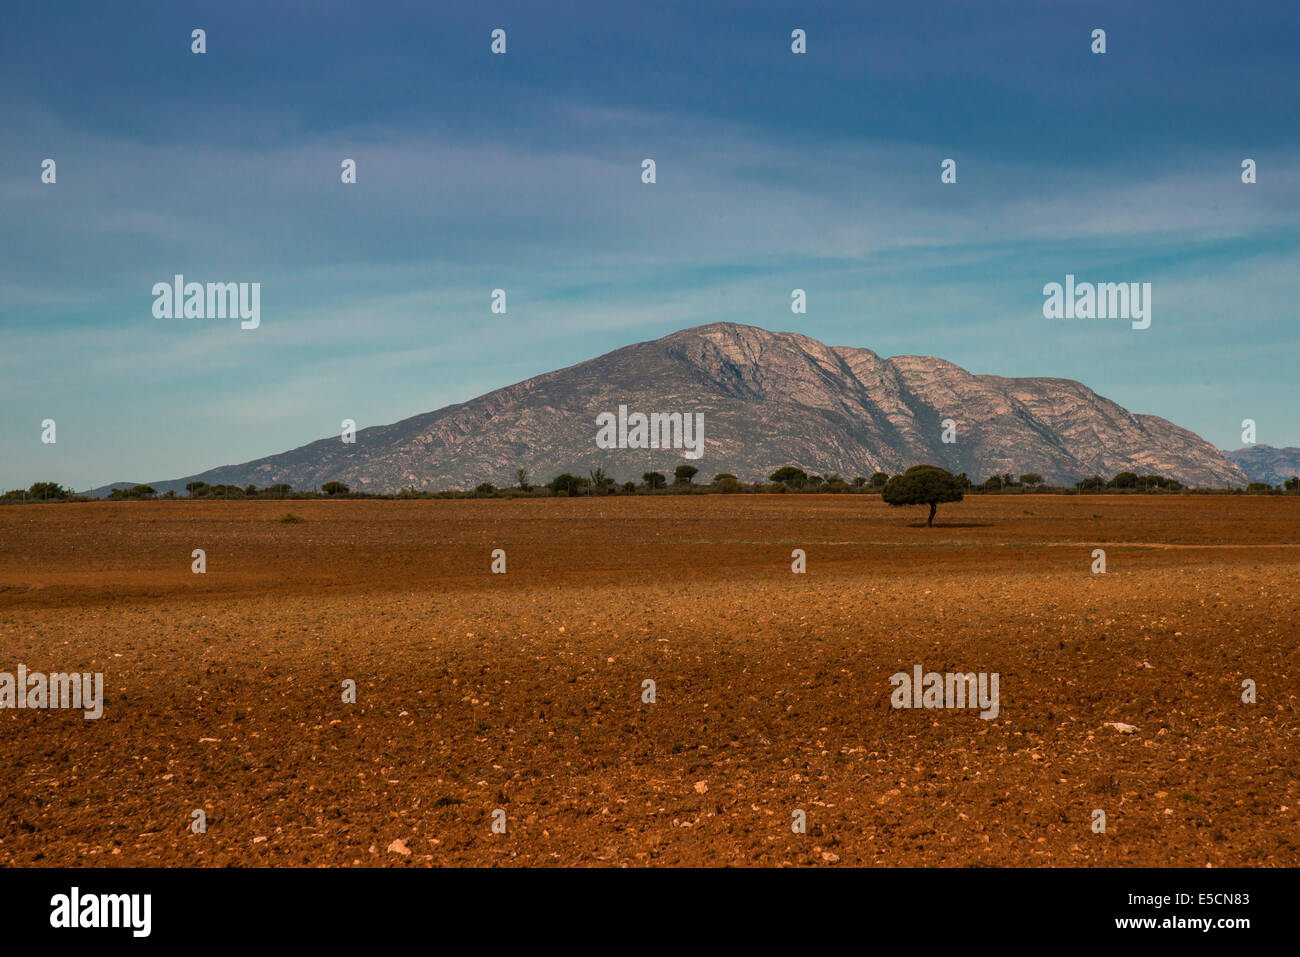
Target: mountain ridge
(1266, 463)
(768, 399)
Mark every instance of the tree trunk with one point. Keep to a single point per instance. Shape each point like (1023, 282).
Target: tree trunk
(930, 521)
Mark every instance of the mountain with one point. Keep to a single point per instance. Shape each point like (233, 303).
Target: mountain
(768, 399)
(1263, 463)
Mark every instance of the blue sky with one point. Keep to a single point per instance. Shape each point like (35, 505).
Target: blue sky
(522, 171)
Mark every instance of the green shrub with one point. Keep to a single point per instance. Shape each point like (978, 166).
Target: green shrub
(789, 476)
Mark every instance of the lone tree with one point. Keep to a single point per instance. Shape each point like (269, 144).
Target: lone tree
(333, 488)
(654, 480)
(923, 485)
(683, 474)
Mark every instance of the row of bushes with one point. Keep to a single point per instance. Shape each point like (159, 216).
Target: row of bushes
(784, 480)
(54, 492)
(42, 492)
(792, 479)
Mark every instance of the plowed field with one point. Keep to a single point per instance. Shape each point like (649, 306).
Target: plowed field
(523, 691)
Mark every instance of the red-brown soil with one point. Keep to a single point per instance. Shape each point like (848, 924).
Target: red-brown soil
(523, 691)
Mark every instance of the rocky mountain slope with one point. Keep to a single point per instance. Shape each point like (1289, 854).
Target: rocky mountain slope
(768, 399)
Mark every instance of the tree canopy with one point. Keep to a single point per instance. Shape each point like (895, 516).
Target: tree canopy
(789, 475)
(923, 485)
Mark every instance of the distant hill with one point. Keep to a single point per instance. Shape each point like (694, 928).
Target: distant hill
(768, 399)
(1263, 463)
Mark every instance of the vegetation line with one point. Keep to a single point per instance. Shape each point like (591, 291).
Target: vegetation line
(918, 485)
